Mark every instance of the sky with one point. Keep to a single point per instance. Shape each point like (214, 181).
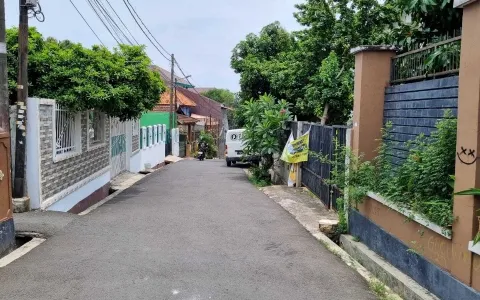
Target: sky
(201, 34)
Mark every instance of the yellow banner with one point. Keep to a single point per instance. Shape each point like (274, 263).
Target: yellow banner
(296, 151)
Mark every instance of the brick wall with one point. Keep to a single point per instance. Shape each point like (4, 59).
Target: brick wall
(57, 176)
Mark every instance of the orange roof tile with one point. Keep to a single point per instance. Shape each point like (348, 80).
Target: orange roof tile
(181, 99)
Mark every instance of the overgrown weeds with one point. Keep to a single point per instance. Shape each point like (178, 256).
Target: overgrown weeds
(420, 183)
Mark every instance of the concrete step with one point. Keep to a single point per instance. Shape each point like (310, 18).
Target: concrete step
(400, 283)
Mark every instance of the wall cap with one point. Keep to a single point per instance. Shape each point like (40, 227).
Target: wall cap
(447, 233)
(474, 248)
(462, 3)
(373, 48)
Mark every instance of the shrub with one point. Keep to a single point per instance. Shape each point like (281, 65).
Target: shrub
(421, 183)
(208, 139)
(264, 120)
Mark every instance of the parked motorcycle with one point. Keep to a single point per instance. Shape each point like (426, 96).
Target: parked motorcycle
(202, 151)
(201, 155)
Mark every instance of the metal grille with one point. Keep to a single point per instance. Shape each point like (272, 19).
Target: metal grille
(65, 131)
(427, 62)
(96, 128)
(135, 127)
(118, 147)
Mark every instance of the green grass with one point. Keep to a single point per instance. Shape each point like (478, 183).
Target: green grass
(258, 182)
(379, 289)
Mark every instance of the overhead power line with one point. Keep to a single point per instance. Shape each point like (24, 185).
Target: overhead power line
(125, 26)
(135, 16)
(103, 22)
(113, 24)
(119, 35)
(87, 23)
(210, 106)
(140, 19)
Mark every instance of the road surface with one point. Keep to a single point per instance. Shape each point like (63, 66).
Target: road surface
(193, 230)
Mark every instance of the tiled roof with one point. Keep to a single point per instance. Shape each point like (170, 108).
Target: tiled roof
(205, 106)
(181, 99)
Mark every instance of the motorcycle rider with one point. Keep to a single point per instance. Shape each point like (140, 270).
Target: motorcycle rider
(203, 148)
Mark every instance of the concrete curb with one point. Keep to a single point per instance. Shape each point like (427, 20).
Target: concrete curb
(391, 276)
(332, 247)
(16, 254)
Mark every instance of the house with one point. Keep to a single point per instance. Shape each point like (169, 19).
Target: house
(71, 159)
(210, 113)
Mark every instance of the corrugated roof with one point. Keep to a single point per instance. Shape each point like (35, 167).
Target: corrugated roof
(205, 119)
(205, 105)
(204, 89)
(162, 108)
(166, 75)
(183, 119)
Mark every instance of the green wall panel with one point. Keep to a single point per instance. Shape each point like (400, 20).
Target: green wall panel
(155, 118)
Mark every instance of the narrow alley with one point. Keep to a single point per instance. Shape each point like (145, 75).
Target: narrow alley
(193, 230)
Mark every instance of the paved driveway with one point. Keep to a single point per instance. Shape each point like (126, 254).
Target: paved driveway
(194, 230)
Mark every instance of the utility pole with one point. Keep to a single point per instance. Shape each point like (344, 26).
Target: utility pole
(172, 83)
(19, 186)
(175, 87)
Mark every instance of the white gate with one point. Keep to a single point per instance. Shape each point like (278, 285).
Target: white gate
(118, 147)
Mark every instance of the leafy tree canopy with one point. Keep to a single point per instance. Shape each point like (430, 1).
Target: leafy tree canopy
(223, 96)
(289, 65)
(118, 83)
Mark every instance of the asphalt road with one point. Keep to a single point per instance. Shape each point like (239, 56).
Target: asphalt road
(194, 230)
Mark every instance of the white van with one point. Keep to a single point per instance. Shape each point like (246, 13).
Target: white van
(234, 148)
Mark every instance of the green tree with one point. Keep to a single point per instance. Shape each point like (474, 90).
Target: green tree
(293, 71)
(289, 65)
(223, 96)
(330, 92)
(118, 83)
(414, 23)
(255, 59)
(229, 99)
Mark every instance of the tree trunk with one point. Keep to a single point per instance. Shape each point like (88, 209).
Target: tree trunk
(325, 114)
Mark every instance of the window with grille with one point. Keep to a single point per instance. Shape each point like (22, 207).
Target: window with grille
(96, 128)
(135, 127)
(67, 132)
